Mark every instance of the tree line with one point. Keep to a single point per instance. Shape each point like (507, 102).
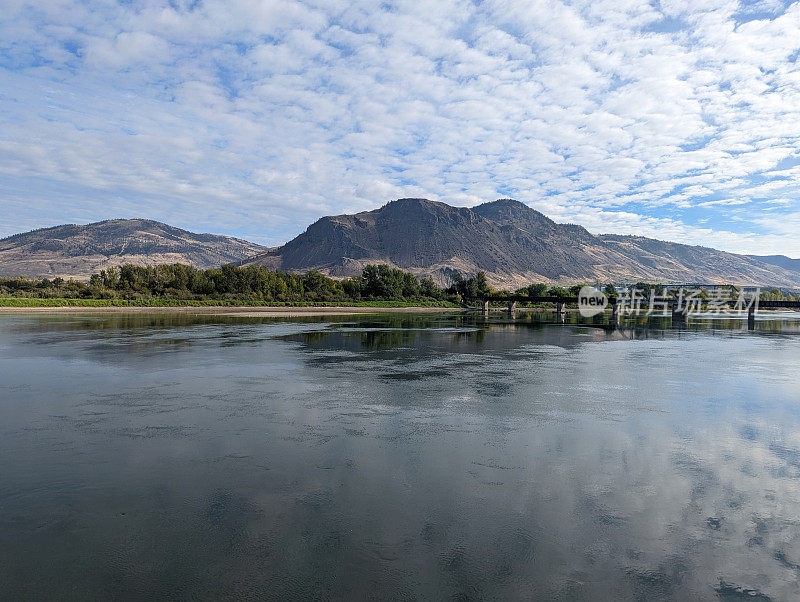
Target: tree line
(251, 284)
(257, 284)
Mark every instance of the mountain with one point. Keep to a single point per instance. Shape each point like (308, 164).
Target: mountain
(782, 261)
(79, 251)
(514, 244)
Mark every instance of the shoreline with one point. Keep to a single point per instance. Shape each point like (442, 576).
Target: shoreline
(267, 311)
(227, 310)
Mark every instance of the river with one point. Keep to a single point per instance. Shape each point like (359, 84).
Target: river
(398, 457)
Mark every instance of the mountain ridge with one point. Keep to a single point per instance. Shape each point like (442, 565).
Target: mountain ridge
(779, 260)
(510, 241)
(513, 243)
(77, 251)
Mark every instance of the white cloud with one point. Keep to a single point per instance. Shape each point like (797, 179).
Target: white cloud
(257, 117)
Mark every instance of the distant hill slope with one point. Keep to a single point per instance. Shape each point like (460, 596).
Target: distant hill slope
(782, 261)
(79, 251)
(514, 244)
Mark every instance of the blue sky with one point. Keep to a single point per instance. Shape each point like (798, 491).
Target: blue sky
(678, 120)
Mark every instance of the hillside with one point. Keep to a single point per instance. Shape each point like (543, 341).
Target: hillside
(78, 251)
(780, 260)
(514, 244)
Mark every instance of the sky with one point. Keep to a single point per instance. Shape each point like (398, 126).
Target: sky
(678, 120)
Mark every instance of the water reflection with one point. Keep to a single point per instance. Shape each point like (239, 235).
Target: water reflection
(433, 456)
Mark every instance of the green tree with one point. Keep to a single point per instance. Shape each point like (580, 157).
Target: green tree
(481, 286)
(537, 290)
(558, 291)
(428, 288)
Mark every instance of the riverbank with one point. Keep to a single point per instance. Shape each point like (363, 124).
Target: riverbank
(230, 310)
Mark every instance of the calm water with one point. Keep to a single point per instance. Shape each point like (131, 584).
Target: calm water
(397, 457)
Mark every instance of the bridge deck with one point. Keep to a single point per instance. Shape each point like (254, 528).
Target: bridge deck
(612, 301)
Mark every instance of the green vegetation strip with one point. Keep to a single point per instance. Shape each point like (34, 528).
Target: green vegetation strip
(156, 302)
(182, 285)
(178, 285)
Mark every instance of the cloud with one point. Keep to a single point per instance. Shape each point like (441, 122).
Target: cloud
(680, 121)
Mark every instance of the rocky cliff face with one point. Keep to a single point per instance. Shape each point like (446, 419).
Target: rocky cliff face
(79, 251)
(514, 244)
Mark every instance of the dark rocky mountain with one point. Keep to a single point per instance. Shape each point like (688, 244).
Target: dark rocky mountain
(514, 244)
(79, 251)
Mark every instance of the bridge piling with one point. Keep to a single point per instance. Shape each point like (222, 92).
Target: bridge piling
(679, 316)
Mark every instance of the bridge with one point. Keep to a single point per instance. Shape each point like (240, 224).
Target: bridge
(679, 313)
